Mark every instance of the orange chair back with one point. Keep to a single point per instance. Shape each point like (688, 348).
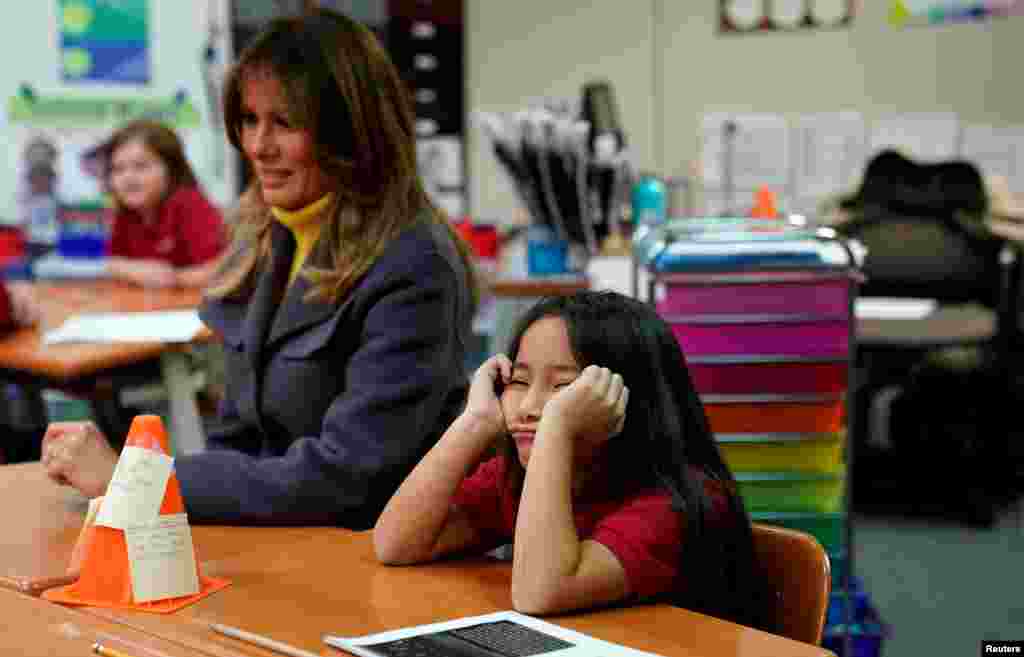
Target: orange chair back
(797, 573)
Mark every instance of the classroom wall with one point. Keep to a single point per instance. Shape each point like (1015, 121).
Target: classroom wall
(178, 36)
(669, 66)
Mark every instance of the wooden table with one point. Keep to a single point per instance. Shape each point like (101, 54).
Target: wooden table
(31, 626)
(24, 357)
(514, 296)
(297, 584)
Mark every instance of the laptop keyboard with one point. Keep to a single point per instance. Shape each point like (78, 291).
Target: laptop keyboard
(500, 639)
(510, 639)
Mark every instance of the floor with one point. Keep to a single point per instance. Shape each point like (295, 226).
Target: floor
(940, 586)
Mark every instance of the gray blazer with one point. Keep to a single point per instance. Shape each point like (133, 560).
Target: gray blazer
(328, 406)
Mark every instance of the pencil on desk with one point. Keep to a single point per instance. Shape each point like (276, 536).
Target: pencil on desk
(262, 641)
(103, 651)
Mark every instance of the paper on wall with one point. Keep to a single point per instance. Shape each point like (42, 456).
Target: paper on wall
(924, 136)
(137, 488)
(996, 151)
(161, 559)
(752, 149)
(828, 153)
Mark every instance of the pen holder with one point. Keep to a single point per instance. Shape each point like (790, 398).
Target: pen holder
(547, 257)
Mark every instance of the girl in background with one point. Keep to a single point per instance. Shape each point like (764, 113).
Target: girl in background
(603, 504)
(164, 232)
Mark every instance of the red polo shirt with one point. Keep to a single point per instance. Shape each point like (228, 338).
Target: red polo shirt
(642, 530)
(189, 231)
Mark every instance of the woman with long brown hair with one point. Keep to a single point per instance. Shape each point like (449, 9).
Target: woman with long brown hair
(344, 301)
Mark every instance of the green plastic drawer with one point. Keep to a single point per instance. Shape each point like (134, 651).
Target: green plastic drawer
(828, 528)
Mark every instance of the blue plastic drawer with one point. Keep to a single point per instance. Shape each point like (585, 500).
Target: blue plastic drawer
(866, 636)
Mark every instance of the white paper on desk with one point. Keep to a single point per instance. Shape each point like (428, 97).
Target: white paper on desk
(137, 488)
(893, 308)
(153, 326)
(582, 645)
(925, 136)
(757, 153)
(828, 153)
(161, 559)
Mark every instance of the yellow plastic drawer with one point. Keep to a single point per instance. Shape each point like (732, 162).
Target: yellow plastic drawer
(783, 452)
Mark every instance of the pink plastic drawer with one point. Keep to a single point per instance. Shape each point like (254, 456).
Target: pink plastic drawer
(737, 377)
(820, 338)
(829, 297)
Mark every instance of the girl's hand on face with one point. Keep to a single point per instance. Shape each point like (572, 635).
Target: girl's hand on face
(483, 403)
(593, 407)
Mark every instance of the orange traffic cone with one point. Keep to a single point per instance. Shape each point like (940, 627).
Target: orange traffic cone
(764, 204)
(101, 553)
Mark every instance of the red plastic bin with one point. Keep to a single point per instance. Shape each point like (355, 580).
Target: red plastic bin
(740, 375)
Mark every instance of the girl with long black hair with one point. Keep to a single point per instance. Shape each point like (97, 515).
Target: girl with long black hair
(607, 478)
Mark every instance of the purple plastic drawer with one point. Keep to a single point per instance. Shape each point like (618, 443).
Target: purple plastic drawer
(822, 338)
(797, 294)
(771, 377)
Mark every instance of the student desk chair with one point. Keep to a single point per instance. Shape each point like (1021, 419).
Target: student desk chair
(968, 269)
(797, 572)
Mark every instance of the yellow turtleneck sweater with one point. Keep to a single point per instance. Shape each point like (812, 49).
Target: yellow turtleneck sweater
(305, 224)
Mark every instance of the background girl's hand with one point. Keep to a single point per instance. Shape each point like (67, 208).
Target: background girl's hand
(25, 307)
(483, 403)
(77, 454)
(593, 407)
(156, 274)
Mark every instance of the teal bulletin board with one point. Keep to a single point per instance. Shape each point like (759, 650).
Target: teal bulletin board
(104, 41)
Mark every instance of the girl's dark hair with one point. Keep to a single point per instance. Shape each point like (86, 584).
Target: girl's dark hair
(892, 181)
(960, 188)
(665, 442)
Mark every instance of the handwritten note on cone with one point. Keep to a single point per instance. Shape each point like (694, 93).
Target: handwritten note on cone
(161, 559)
(136, 490)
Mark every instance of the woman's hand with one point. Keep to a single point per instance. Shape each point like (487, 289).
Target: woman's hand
(592, 408)
(483, 404)
(77, 454)
(25, 308)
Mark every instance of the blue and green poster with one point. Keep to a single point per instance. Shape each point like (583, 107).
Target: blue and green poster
(104, 41)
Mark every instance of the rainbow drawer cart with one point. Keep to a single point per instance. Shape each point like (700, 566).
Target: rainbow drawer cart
(764, 312)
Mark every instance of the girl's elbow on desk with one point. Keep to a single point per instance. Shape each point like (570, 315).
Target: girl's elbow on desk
(391, 550)
(536, 600)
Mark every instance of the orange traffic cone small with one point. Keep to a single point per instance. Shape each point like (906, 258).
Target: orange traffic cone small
(101, 553)
(764, 204)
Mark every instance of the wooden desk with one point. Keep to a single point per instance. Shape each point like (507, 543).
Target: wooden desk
(44, 524)
(297, 584)
(514, 296)
(36, 627)
(535, 288)
(78, 367)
